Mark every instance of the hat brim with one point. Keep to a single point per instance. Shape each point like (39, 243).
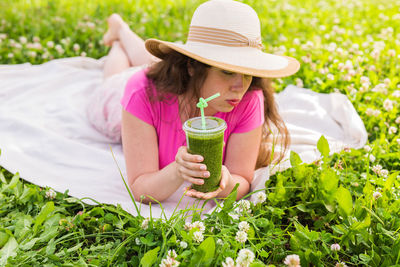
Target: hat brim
(246, 60)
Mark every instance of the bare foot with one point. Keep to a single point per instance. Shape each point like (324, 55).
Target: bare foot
(115, 23)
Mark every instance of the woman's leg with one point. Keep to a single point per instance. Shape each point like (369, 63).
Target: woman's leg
(132, 44)
(116, 61)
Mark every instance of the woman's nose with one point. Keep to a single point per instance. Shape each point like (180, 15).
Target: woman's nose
(240, 81)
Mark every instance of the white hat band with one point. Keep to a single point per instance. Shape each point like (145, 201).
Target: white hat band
(221, 37)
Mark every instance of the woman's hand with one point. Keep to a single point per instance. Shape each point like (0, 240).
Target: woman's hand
(189, 167)
(226, 177)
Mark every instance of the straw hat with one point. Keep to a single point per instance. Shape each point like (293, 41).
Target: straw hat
(226, 34)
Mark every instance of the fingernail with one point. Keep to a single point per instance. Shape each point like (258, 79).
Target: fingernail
(200, 158)
(203, 168)
(206, 174)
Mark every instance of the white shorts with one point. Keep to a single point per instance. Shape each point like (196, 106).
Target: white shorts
(104, 106)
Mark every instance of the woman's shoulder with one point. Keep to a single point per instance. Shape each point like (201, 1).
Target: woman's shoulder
(254, 95)
(138, 79)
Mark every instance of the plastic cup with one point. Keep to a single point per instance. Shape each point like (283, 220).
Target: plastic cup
(209, 143)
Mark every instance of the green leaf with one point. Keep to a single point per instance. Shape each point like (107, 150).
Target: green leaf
(364, 258)
(29, 244)
(51, 247)
(14, 182)
(9, 250)
(150, 257)
(230, 199)
(3, 239)
(44, 213)
(295, 159)
(197, 257)
(345, 202)
(257, 264)
(26, 194)
(389, 181)
(208, 246)
(323, 146)
(2, 178)
(23, 226)
(329, 181)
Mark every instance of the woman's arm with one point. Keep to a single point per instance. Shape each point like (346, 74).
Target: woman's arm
(140, 148)
(240, 160)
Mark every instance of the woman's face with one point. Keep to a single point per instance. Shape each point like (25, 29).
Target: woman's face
(231, 86)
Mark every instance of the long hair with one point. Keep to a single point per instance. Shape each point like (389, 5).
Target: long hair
(171, 75)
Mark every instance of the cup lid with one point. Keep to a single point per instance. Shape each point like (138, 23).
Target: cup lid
(213, 124)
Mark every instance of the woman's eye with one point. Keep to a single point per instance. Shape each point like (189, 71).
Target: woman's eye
(227, 72)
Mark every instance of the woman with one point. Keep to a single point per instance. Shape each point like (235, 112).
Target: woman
(222, 54)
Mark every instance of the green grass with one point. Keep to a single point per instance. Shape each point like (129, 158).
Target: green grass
(350, 47)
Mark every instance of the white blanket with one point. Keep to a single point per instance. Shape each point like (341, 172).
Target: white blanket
(46, 137)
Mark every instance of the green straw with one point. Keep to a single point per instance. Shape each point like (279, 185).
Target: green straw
(203, 104)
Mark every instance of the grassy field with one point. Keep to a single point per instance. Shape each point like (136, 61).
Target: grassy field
(344, 210)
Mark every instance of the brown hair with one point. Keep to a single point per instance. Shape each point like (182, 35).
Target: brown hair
(171, 75)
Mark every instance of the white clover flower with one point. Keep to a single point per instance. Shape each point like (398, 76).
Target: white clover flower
(244, 226)
(292, 260)
(260, 198)
(145, 224)
(241, 236)
(392, 130)
(396, 93)
(376, 195)
(245, 257)
(367, 148)
(384, 173)
(369, 112)
(90, 25)
(17, 46)
(32, 54)
(76, 47)
(398, 140)
(377, 112)
(198, 237)
(377, 169)
(83, 54)
(51, 194)
(220, 242)
(45, 55)
(228, 262)
(183, 244)
(340, 264)
(169, 262)
(188, 226)
(397, 121)
(299, 82)
(372, 158)
(199, 225)
(137, 241)
(50, 44)
(23, 40)
(10, 55)
(172, 253)
(388, 104)
(244, 206)
(335, 247)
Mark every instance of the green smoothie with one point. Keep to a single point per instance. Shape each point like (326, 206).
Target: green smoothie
(209, 143)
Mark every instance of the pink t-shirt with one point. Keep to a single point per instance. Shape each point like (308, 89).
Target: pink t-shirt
(164, 116)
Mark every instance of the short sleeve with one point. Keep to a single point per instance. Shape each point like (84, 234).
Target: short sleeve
(250, 114)
(135, 99)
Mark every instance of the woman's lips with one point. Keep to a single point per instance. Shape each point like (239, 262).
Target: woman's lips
(233, 102)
